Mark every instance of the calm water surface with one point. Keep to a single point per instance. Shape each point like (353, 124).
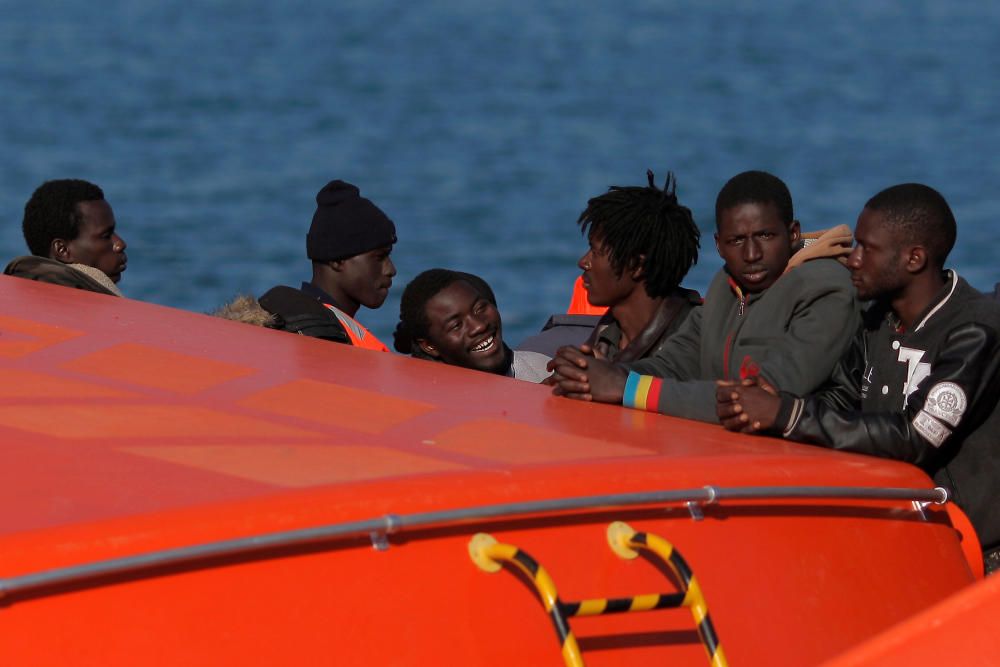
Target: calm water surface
(482, 128)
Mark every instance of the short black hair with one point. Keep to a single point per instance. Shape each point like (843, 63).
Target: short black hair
(52, 213)
(755, 187)
(645, 227)
(413, 323)
(921, 214)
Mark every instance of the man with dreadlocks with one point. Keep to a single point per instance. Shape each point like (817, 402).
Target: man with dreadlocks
(759, 318)
(642, 244)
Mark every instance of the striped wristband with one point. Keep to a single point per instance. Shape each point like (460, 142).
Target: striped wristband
(642, 392)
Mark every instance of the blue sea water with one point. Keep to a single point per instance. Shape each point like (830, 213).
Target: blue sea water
(482, 128)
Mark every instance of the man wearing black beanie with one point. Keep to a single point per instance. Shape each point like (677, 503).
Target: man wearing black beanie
(349, 243)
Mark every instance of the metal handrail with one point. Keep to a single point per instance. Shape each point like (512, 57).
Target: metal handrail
(393, 523)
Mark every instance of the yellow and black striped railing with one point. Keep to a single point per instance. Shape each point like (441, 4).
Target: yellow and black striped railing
(627, 543)
(489, 555)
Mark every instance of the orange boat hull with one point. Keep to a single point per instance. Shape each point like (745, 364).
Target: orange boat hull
(129, 429)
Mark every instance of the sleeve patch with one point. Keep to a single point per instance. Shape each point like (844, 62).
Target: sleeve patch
(946, 401)
(933, 431)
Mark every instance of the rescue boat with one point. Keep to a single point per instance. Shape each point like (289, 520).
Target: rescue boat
(180, 489)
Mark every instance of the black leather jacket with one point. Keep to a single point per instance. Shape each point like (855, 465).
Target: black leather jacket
(927, 396)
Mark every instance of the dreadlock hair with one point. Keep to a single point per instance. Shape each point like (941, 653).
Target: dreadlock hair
(755, 187)
(646, 228)
(921, 215)
(51, 213)
(413, 322)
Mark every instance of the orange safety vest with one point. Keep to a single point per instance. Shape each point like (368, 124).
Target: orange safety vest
(579, 305)
(360, 337)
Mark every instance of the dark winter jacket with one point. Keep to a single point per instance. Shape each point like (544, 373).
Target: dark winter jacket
(297, 312)
(47, 270)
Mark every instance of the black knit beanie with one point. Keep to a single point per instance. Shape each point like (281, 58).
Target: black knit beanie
(346, 224)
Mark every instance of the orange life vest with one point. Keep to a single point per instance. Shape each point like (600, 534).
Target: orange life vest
(579, 305)
(360, 336)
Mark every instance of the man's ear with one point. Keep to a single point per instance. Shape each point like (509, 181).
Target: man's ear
(428, 349)
(916, 259)
(717, 248)
(638, 272)
(794, 233)
(59, 250)
(337, 265)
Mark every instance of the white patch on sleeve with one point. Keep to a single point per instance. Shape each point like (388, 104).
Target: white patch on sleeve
(946, 401)
(933, 431)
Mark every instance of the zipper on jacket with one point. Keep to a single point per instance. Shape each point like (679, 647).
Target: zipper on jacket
(741, 308)
(740, 297)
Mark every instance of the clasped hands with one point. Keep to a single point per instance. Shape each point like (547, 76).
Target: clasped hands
(748, 406)
(584, 374)
(581, 373)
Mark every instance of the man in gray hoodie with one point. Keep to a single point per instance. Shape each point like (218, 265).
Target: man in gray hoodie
(760, 318)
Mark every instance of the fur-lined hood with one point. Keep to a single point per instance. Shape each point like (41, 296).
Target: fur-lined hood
(245, 308)
(286, 309)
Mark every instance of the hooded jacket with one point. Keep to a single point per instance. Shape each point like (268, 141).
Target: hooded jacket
(285, 309)
(47, 270)
(791, 334)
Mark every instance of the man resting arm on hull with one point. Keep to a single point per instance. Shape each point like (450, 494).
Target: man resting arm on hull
(759, 318)
(921, 382)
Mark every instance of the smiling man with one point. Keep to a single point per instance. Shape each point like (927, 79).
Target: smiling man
(349, 242)
(452, 317)
(71, 232)
(922, 380)
(787, 326)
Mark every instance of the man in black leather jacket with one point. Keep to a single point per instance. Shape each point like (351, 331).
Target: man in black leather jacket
(922, 380)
